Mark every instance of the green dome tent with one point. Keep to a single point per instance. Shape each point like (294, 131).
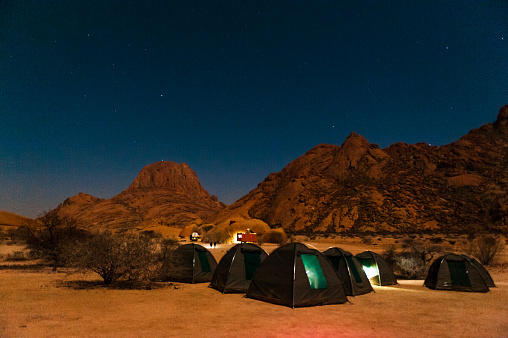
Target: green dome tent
(195, 264)
(350, 271)
(236, 268)
(296, 276)
(376, 268)
(457, 273)
(485, 274)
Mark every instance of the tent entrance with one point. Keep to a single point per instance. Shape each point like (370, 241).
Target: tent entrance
(252, 260)
(352, 268)
(370, 268)
(458, 273)
(203, 259)
(314, 272)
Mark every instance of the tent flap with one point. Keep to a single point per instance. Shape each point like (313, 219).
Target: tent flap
(314, 272)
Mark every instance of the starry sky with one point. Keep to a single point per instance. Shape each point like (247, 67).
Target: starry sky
(92, 91)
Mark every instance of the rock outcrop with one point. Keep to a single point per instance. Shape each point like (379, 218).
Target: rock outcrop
(164, 193)
(9, 219)
(358, 187)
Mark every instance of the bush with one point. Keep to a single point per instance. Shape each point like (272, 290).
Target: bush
(16, 256)
(47, 238)
(169, 262)
(130, 258)
(367, 240)
(486, 248)
(412, 262)
(273, 236)
(411, 266)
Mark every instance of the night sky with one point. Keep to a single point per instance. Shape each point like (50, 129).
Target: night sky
(92, 91)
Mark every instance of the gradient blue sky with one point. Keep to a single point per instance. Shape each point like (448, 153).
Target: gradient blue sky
(92, 91)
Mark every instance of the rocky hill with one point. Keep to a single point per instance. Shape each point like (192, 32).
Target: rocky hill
(358, 187)
(164, 193)
(9, 219)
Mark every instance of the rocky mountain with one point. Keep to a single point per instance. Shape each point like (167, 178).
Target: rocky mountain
(164, 193)
(11, 219)
(358, 187)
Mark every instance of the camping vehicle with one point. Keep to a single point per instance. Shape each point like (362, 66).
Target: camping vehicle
(246, 237)
(376, 268)
(236, 268)
(458, 273)
(296, 276)
(350, 271)
(196, 264)
(194, 237)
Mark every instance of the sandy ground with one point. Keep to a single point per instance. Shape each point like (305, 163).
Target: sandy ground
(45, 304)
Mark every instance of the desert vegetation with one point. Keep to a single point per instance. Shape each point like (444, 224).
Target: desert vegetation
(132, 259)
(487, 248)
(139, 259)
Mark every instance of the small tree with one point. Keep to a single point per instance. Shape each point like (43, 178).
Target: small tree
(47, 238)
(169, 263)
(132, 258)
(486, 248)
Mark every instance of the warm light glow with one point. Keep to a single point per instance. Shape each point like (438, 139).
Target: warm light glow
(370, 271)
(235, 238)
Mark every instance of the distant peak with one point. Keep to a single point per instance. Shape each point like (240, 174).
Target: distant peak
(355, 141)
(168, 175)
(502, 119)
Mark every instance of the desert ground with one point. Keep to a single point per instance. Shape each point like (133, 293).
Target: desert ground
(43, 303)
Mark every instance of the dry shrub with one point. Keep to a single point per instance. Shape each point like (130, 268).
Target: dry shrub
(413, 260)
(170, 266)
(367, 240)
(16, 256)
(486, 248)
(275, 236)
(131, 258)
(411, 266)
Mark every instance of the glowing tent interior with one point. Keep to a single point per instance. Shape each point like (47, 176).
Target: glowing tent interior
(297, 276)
(350, 271)
(377, 269)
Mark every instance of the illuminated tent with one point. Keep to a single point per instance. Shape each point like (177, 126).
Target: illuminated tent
(236, 268)
(377, 270)
(350, 271)
(195, 264)
(457, 273)
(296, 276)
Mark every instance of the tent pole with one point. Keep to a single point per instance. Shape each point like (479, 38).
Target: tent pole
(193, 261)
(294, 277)
(349, 274)
(229, 271)
(377, 267)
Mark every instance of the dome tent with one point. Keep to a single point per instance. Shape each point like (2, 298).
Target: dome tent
(236, 268)
(483, 272)
(296, 276)
(376, 268)
(457, 273)
(196, 264)
(350, 271)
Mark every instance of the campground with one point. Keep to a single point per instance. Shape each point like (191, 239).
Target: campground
(42, 303)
